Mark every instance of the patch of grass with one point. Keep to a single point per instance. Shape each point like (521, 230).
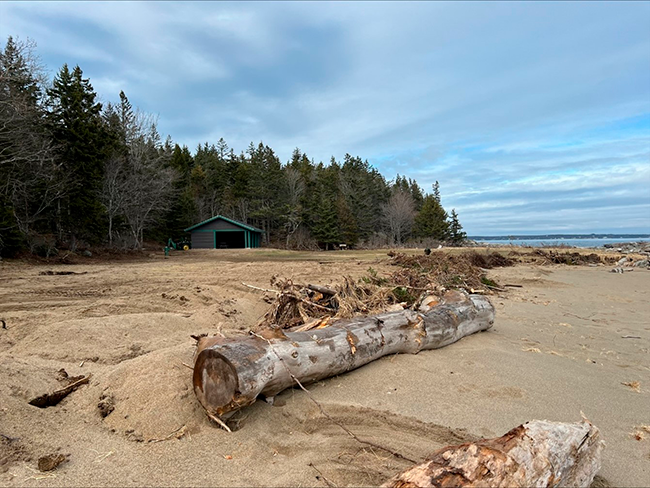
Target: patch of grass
(373, 278)
(403, 295)
(488, 282)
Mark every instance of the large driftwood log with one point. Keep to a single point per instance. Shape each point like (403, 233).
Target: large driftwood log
(230, 373)
(538, 453)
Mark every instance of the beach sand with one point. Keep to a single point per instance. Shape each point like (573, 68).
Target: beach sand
(566, 342)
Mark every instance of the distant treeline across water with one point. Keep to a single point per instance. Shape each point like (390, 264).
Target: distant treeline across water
(562, 240)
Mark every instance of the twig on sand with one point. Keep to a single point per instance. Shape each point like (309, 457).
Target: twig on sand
(322, 476)
(39, 475)
(187, 365)
(100, 457)
(320, 407)
(10, 439)
(221, 423)
(630, 337)
(260, 289)
(513, 286)
(177, 434)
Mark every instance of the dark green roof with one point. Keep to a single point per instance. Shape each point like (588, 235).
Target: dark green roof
(240, 224)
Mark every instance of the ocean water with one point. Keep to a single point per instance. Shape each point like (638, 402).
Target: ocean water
(560, 242)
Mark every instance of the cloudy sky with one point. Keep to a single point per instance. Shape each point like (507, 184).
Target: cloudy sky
(534, 117)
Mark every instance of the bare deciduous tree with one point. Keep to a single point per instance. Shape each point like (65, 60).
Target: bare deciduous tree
(30, 180)
(137, 185)
(398, 215)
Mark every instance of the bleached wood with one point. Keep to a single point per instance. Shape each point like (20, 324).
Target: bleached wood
(230, 373)
(539, 453)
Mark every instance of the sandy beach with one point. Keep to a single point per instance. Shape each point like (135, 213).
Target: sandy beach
(565, 342)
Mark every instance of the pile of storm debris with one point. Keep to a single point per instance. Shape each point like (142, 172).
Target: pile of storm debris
(627, 264)
(302, 307)
(572, 258)
(642, 247)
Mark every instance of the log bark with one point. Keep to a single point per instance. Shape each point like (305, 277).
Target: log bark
(230, 373)
(538, 453)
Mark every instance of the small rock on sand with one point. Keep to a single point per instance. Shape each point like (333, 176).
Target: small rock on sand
(50, 462)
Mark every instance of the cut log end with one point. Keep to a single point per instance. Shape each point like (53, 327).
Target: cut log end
(215, 381)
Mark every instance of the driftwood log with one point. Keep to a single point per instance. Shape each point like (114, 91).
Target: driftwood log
(230, 373)
(538, 453)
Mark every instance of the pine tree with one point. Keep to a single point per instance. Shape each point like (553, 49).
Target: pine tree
(417, 194)
(184, 211)
(456, 233)
(80, 137)
(436, 191)
(348, 228)
(326, 230)
(431, 221)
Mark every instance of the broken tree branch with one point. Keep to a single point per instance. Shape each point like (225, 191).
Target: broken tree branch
(322, 289)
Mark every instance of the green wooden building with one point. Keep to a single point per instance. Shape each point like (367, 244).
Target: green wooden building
(223, 233)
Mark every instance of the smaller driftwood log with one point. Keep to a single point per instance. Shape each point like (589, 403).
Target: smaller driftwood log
(230, 373)
(52, 399)
(538, 453)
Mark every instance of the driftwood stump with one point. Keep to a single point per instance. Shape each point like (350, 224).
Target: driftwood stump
(538, 453)
(230, 373)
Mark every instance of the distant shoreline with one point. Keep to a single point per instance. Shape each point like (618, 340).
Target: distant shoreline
(514, 237)
(572, 241)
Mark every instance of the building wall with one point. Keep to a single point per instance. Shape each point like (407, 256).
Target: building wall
(202, 240)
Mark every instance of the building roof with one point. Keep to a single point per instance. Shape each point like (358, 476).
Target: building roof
(236, 222)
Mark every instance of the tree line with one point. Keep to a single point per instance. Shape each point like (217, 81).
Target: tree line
(76, 173)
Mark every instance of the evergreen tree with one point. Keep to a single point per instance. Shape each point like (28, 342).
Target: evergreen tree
(326, 230)
(436, 191)
(431, 221)
(79, 136)
(348, 228)
(456, 233)
(184, 211)
(365, 191)
(416, 194)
